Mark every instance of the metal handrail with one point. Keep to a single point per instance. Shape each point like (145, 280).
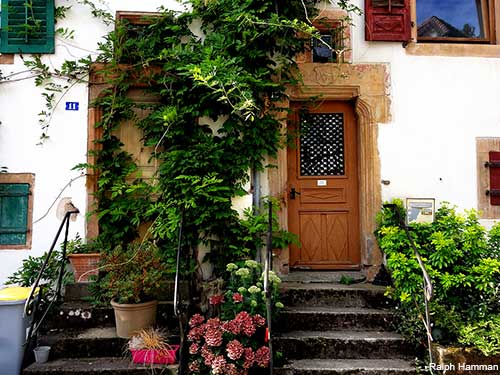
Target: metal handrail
(31, 305)
(177, 300)
(427, 283)
(267, 289)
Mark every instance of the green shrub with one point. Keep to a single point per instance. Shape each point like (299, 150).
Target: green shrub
(462, 260)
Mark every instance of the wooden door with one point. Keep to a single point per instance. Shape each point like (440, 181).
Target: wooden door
(323, 201)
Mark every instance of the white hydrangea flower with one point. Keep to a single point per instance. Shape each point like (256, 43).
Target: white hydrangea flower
(251, 263)
(231, 267)
(243, 272)
(254, 289)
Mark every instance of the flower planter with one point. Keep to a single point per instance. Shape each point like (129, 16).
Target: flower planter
(130, 318)
(84, 265)
(152, 356)
(456, 360)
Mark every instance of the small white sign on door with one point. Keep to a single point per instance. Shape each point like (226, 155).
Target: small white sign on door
(321, 182)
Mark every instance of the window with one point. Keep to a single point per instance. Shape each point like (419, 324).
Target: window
(335, 43)
(454, 21)
(445, 21)
(27, 26)
(387, 20)
(488, 177)
(16, 204)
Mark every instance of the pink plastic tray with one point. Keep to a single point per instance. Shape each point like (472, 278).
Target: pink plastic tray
(147, 356)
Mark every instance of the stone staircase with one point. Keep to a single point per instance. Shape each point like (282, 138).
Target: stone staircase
(327, 328)
(83, 341)
(330, 328)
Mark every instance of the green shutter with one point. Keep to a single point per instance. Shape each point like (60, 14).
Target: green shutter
(14, 213)
(27, 26)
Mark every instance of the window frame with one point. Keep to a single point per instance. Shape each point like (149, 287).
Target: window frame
(22, 178)
(421, 48)
(488, 24)
(483, 146)
(324, 22)
(49, 37)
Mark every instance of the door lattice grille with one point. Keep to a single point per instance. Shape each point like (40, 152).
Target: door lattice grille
(322, 144)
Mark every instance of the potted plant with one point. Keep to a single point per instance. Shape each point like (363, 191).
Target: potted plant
(133, 277)
(84, 258)
(150, 346)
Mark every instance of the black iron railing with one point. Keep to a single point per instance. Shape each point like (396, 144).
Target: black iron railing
(180, 312)
(427, 283)
(34, 301)
(268, 263)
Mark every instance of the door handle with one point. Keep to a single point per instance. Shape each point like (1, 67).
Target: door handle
(293, 192)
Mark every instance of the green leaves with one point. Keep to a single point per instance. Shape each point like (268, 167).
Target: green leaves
(461, 258)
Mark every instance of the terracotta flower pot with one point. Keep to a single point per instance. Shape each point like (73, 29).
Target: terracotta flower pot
(133, 317)
(84, 265)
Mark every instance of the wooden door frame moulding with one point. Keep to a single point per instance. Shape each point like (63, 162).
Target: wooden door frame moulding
(370, 194)
(98, 87)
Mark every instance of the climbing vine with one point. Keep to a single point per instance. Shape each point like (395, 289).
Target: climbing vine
(220, 62)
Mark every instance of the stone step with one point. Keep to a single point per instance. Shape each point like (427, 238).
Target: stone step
(94, 366)
(80, 291)
(348, 367)
(91, 342)
(322, 318)
(334, 295)
(323, 276)
(79, 314)
(342, 344)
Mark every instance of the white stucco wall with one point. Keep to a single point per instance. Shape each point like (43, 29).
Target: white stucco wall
(21, 101)
(439, 106)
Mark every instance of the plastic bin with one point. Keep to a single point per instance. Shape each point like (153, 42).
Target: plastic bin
(13, 329)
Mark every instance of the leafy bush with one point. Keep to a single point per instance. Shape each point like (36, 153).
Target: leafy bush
(31, 266)
(78, 246)
(463, 262)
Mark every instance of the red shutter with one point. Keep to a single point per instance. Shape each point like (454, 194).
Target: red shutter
(494, 166)
(387, 20)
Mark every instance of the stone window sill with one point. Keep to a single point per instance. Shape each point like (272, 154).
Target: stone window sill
(453, 50)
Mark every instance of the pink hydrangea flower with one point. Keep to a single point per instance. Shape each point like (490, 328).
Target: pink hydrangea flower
(259, 321)
(194, 366)
(244, 320)
(194, 348)
(232, 327)
(196, 320)
(248, 357)
(218, 365)
(262, 356)
(213, 323)
(213, 337)
(237, 298)
(231, 369)
(234, 350)
(216, 300)
(196, 333)
(207, 354)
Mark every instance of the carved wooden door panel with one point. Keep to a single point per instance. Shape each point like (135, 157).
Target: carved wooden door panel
(323, 201)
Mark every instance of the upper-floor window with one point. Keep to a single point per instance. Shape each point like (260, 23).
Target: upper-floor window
(27, 26)
(445, 21)
(454, 21)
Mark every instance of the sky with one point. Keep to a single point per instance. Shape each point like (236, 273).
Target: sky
(455, 12)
